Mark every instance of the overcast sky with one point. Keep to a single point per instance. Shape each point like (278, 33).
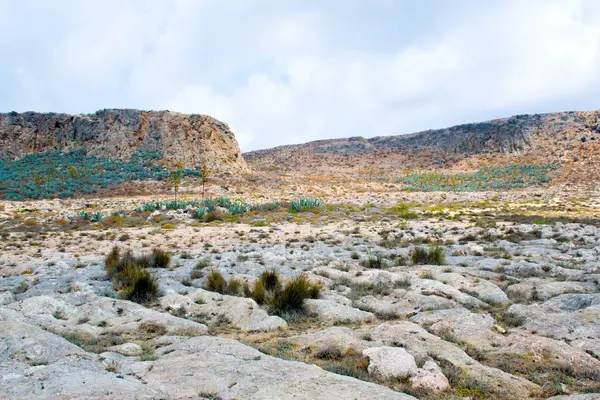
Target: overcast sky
(290, 71)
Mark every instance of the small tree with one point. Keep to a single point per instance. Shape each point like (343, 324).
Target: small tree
(175, 178)
(204, 175)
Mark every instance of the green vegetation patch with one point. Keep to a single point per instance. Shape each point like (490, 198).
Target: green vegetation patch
(58, 174)
(491, 178)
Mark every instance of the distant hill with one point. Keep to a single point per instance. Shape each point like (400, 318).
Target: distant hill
(190, 139)
(571, 140)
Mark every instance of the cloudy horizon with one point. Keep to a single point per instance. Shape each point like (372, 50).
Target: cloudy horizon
(284, 72)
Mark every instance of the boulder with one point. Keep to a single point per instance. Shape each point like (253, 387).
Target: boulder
(390, 363)
(430, 378)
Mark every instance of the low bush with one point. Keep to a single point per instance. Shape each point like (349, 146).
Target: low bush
(270, 280)
(234, 287)
(216, 283)
(433, 256)
(290, 299)
(130, 277)
(258, 294)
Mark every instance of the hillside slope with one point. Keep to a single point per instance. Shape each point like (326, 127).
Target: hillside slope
(569, 139)
(190, 139)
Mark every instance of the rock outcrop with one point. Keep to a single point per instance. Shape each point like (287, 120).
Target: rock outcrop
(570, 140)
(190, 139)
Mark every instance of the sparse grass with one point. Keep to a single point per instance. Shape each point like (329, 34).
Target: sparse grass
(160, 258)
(234, 287)
(509, 319)
(130, 277)
(375, 262)
(258, 294)
(22, 288)
(432, 256)
(270, 280)
(290, 299)
(148, 352)
(216, 282)
(112, 366)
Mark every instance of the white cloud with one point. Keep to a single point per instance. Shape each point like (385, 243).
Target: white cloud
(289, 72)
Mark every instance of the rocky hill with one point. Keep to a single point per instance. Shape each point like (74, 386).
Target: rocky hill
(190, 139)
(568, 139)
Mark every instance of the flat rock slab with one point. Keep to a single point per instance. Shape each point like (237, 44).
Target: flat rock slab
(229, 369)
(390, 362)
(330, 311)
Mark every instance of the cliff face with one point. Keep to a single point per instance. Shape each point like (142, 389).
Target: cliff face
(190, 139)
(570, 140)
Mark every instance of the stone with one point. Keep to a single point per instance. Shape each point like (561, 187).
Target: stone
(127, 349)
(430, 378)
(6, 298)
(119, 133)
(228, 369)
(390, 363)
(331, 311)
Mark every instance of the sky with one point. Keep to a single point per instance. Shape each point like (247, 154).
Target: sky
(291, 71)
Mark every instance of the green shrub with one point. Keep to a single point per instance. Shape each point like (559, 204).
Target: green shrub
(65, 174)
(246, 290)
(314, 291)
(491, 178)
(258, 294)
(436, 256)
(290, 299)
(212, 216)
(130, 277)
(270, 280)
(305, 204)
(234, 287)
(215, 282)
(111, 261)
(160, 258)
(433, 256)
(201, 264)
(419, 255)
(139, 285)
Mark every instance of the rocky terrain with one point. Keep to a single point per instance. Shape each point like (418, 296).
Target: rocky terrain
(570, 140)
(511, 310)
(302, 279)
(190, 139)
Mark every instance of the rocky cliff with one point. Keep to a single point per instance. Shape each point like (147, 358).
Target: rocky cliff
(568, 139)
(190, 139)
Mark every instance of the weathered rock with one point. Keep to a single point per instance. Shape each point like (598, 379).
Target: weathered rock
(390, 363)
(430, 378)
(423, 346)
(570, 316)
(190, 139)
(127, 349)
(241, 313)
(330, 311)
(6, 298)
(229, 369)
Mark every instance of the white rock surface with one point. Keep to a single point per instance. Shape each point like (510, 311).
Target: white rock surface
(331, 311)
(390, 362)
(430, 378)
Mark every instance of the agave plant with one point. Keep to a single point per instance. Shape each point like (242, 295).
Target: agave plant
(305, 204)
(200, 212)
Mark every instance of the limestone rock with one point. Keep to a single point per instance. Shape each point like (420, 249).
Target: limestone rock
(6, 298)
(190, 139)
(430, 378)
(127, 349)
(390, 362)
(330, 311)
(229, 369)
